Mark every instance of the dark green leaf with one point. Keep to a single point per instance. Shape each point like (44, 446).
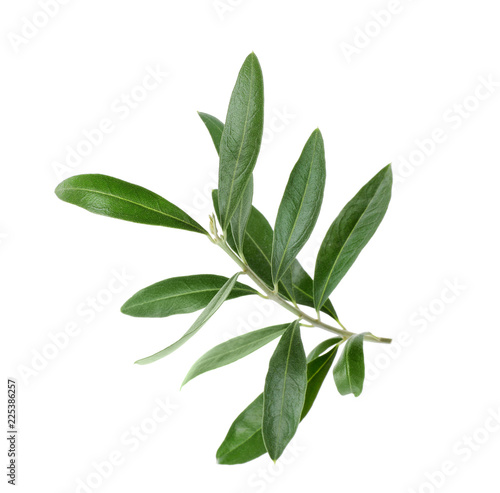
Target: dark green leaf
(241, 138)
(284, 392)
(116, 198)
(317, 370)
(349, 234)
(244, 441)
(349, 372)
(303, 289)
(185, 294)
(300, 205)
(240, 219)
(257, 250)
(234, 349)
(214, 304)
(214, 126)
(322, 347)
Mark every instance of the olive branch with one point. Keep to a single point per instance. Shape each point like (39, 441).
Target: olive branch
(267, 256)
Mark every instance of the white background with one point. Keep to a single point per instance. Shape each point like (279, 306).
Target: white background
(425, 404)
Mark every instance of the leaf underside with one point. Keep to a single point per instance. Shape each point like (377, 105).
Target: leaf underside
(230, 351)
(214, 304)
(349, 372)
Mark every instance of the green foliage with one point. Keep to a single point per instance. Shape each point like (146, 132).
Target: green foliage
(244, 441)
(234, 349)
(241, 138)
(214, 304)
(296, 285)
(284, 392)
(268, 257)
(349, 234)
(300, 206)
(349, 372)
(185, 294)
(116, 198)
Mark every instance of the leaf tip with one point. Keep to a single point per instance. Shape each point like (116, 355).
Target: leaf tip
(253, 58)
(59, 188)
(317, 132)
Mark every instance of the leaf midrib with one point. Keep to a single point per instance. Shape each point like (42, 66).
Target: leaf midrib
(187, 293)
(348, 369)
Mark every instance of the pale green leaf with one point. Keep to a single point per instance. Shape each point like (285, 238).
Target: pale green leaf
(230, 351)
(349, 372)
(214, 304)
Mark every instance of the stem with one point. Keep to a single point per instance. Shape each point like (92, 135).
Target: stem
(272, 295)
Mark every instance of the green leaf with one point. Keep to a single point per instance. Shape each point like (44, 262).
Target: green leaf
(349, 372)
(259, 244)
(214, 126)
(284, 392)
(296, 284)
(214, 304)
(185, 294)
(300, 205)
(349, 234)
(116, 198)
(241, 138)
(244, 441)
(240, 219)
(233, 350)
(317, 371)
(303, 289)
(322, 347)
